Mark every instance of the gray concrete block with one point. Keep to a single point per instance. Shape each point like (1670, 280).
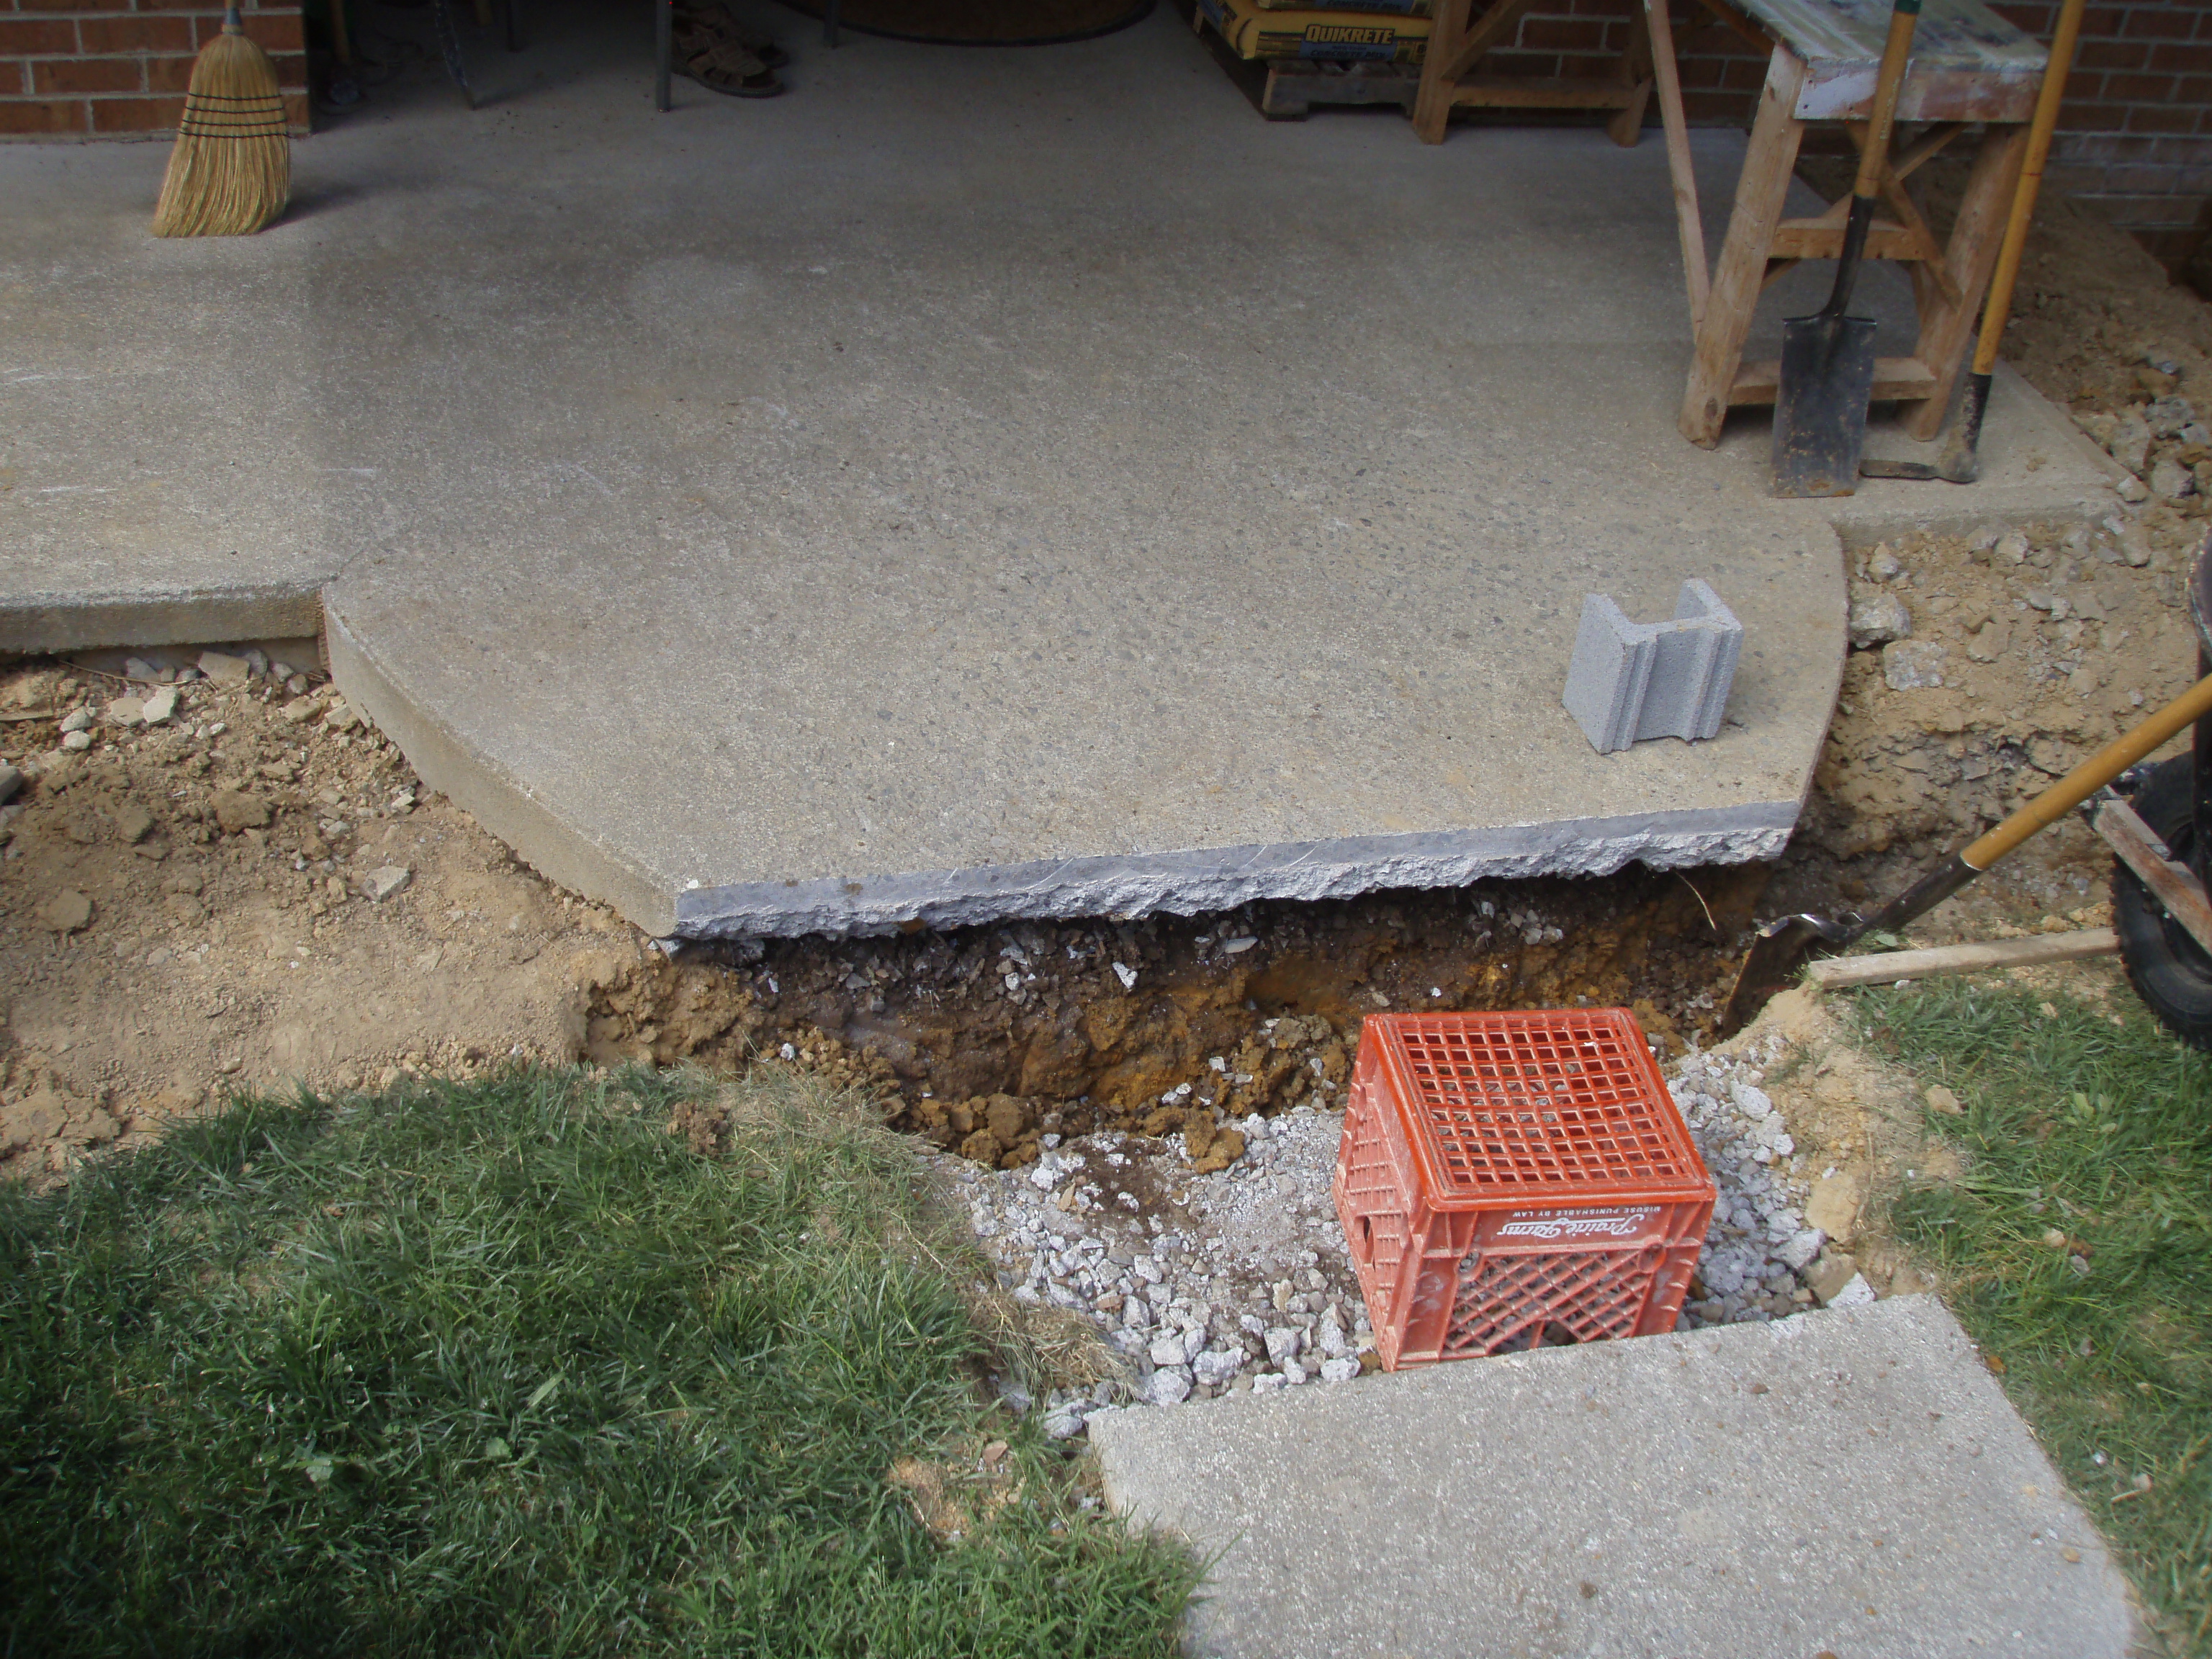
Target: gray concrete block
(1851, 1482)
(1630, 681)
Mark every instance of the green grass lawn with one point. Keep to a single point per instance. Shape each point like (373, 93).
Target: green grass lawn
(2077, 1249)
(509, 1368)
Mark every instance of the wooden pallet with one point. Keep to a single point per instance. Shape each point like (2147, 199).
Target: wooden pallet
(1296, 85)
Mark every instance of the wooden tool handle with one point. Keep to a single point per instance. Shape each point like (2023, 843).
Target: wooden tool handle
(1998, 309)
(2091, 775)
(1904, 17)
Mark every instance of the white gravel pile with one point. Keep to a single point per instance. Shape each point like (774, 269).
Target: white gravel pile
(1758, 1245)
(1237, 1280)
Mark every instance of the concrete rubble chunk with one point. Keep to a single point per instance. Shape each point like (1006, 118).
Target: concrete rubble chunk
(383, 882)
(160, 706)
(223, 669)
(1913, 665)
(1744, 1489)
(1629, 682)
(1878, 618)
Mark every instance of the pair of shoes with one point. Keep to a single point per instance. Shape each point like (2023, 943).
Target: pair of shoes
(714, 50)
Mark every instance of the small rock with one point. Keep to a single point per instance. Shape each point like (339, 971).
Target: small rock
(39, 1116)
(76, 742)
(1941, 1099)
(2172, 480)
(2167, 417)
(222, 669)
(1877, 619)
(1213, 1367)
(126, 712)
(2131, 441)
(1882, 565)
(1856, 1294)
(1126, 974)
(133, 823)
(1282, 1344)
(1798, 1250)
(305, 709)
(343, 717)
(235, 810)
(1166, 1351)
(2012, 547)
(1913, 665)
(1062, 1423)
(66, 912)
(256, 662)
(382, 883)
(157, 709)
(137, 668)
(1167, 1387)
(1828, 1275)
(1340, 1370)
(2132, 490)
(78, 720)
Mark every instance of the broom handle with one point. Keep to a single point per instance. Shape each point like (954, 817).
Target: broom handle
(1998, 309)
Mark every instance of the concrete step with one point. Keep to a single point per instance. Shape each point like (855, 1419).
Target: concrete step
(1846, 1483)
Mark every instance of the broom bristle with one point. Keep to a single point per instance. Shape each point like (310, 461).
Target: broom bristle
(231, 171)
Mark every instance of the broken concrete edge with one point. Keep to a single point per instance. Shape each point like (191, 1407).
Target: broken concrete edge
(31, 624)
(485, 790)
(1211, 879)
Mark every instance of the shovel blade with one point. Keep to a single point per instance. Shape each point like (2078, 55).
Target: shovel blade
(1821, 406)
(1776, 955)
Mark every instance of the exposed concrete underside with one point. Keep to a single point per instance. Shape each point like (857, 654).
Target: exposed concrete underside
(1847, 1482)
(979, 483)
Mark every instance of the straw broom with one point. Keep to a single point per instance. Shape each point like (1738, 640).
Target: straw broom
(231, 171)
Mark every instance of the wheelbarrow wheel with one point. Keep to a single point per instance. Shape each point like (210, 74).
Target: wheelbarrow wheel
(2169, 970)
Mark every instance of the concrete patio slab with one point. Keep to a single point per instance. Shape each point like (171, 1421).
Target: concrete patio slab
(978, 483)
(1849, 1482)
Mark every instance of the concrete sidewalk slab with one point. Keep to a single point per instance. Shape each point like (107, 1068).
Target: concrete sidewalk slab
(945, 493)
(1849, 1482)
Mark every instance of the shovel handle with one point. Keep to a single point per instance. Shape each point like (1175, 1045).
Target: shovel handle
(1896, 51)
(2055, 68)
(2091, 775)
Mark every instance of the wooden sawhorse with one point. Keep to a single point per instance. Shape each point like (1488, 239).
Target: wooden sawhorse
(1970, 70)
(1455, 48)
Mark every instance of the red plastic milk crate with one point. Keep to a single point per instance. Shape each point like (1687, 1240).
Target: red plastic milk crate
(1504, 1178)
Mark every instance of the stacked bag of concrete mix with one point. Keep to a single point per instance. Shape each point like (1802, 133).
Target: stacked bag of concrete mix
(1346, 31)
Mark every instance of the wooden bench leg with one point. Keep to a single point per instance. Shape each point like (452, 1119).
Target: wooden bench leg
(1759, 194)
(1626, 127)
(1432, 104)
(1947, 324)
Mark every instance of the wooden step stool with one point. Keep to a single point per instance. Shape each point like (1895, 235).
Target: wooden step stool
(1970, 68)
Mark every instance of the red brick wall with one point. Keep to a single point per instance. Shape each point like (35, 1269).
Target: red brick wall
(2135, 135)
(78, 68)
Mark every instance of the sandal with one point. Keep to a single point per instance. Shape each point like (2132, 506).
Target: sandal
(720, 66)
(707, 17)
